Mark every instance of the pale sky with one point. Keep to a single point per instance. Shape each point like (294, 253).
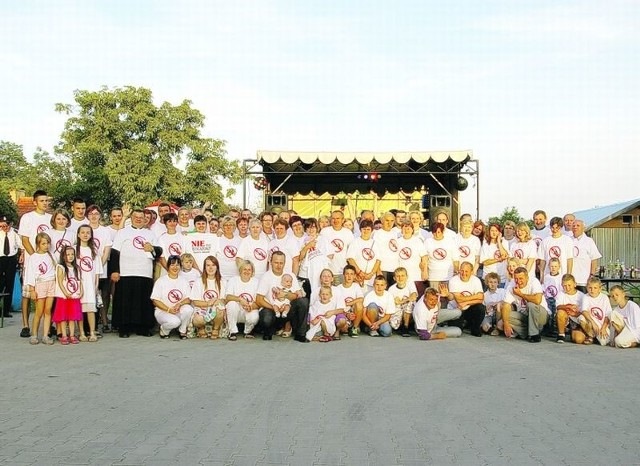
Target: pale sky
(545, 93)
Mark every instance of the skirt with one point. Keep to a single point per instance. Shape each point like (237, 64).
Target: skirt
(67, 309)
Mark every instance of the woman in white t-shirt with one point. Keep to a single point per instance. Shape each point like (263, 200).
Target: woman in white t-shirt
(442, 257)
(241, 301)
(207, 296)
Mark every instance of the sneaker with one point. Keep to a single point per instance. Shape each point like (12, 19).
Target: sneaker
(354, 332)
(424, 334)
(535, 339)
(47, 341)
(374, 333)
(34, 340)
(25, 332)
(404, 331)
(560, 339)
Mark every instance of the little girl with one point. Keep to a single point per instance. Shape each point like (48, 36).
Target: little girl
(68, 293)
(188, 272)
(41, 279)
(90, 271)
(322, 316)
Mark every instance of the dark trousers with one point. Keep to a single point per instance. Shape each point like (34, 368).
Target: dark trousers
(8, 266)
(298, 317)
(474, 316)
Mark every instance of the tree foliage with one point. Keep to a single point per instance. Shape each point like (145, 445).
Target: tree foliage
(509, 213)
(123, 148)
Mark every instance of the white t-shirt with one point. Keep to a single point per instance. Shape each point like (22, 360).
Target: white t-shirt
(410, 254)
(59, 240)
(70, 283)
(339, 241)
(90, 268)
(524, 252)
(468, 248)
(552, 285)
(492, 300)
(201, 245)
(442, 254)
(538, 235)
(319, 309)
(345, 296)
(169, 290)
(576, 299)
(631, 315)
(236, 287)
(33, 223)
(598, 308)
(468, 288)
(269, 281)
(172, 244)
(533, 287)
(103, 239)
(385, 302)
(257, 251)
(560, 248)
(289, 247)
(386, 247)
(492, 251)
(226, 255)
(40, 268)
(364, 254)
(191, 276)
(584, 251)
(402, 293)
(211, 292)
(134, 260)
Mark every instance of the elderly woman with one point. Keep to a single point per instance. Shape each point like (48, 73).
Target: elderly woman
(468, 245)
(171, 299)
(241, 301)
(207, 295)
(525, 249)
(255, 248)
(442, 256)
(228, 249)
(416, 218)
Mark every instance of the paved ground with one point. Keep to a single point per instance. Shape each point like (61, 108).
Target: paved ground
(370, 401)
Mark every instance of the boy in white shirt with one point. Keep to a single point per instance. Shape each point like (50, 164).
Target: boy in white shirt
(493, 299)
(405, 296)
(568, 308)
(594, 319)
(350, 296)
(379, 307)
(625, 318)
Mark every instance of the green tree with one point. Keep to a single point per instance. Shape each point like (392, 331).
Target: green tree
(123, 148)
(8, 208)
(15, 170)
(509, 213)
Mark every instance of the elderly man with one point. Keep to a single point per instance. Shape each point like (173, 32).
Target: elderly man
(568, 220)
(586, 255)
(524, 310)
(132, 257)
(269, 290)
(385, 242)
(465, 293)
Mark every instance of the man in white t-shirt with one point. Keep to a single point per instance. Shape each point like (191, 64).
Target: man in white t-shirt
(585, 256)
(465, 293)
(31, 224)
(267, 294)
(339, 239)
(524, 311)
(555, 245)
(385, 243)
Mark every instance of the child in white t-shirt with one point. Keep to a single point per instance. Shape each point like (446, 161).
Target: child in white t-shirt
(379, 307)
(322, 317)
(625, 318)
(594, 319)
(568, 309)
(493, 299)
(405, 295)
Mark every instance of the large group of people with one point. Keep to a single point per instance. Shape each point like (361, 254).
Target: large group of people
(189, 273)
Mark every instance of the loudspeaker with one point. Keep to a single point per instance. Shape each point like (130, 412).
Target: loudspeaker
(275, 200)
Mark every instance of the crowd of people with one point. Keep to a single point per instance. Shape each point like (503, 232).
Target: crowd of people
(188, 273)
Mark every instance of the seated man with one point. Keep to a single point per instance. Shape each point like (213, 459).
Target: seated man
(524, 311)
(298, 315)
(427, 315)
(465, 293)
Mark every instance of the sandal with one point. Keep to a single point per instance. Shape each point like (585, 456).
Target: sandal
(249, 336)
(64, 340)
(34, 341)
(232, 337)
(83, 338)
(588, 341)
(202, 333)
(93, 338)
(286, 334)
(74, 340)
(215, 334)
(325, 339)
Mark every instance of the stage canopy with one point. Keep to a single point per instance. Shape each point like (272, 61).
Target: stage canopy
(381, 172)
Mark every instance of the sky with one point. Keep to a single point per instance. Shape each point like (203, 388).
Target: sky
(546, 94)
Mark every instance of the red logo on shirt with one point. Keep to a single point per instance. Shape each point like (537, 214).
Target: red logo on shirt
(497, 255)
(230, 251)
(260, 254)
(405, 253)
(440, 254)
(393, 245)
(464, 251)
(597, 313)
(138, 242)
(348, 301)
(72, 285)
(519, 253)
(368, 254)
(42, 228)
(174, 296)
(61, 244)
(537, 241)
(576, 251)
(175, 249)
(465, 293)
(210, 294)
(86, 263)
(554, 251)
(42, 268)
(338, 244)
(247, 297)
(551, 291)
(96, 241)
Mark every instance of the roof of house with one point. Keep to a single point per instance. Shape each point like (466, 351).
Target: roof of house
(595, 217)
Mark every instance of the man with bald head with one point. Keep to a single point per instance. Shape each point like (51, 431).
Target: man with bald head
(585, 256)
(568, 220)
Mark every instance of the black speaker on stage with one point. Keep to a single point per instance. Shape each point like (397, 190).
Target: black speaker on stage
(275, 200)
